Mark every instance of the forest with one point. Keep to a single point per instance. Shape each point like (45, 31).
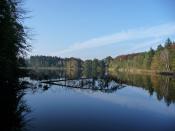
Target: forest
(88, 67)
(157, 60)
(161, 59)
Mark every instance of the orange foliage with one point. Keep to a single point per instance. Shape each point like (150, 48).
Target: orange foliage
(125, 57)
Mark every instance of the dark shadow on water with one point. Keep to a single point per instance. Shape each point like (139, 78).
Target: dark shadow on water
(13, 108)
(163, 86)
(15, 111)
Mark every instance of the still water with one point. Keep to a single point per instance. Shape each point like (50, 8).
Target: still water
(119, 102)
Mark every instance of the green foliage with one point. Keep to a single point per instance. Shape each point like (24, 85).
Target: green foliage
(46, 61)
(87, 68)
(91, 68)
(159, 47)
(53, 61)
(164, 86)
(94, 68)
(162, 59)
(168, 43)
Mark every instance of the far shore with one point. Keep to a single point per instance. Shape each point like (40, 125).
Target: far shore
(132, 71)
(42, 68)
(142, 71)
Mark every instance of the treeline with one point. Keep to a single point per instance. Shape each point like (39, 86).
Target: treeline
(94, 68)
(89, 67)
(53, 61)
(160, 60)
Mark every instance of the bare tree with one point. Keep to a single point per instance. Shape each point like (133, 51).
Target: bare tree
(164, 56)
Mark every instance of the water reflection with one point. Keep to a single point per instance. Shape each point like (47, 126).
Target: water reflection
(100, 107)
(104, 85)
(112, 88)
(163, 86)
(47, 74)
(14, 110)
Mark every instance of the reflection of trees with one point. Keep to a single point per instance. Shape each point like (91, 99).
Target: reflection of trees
(46, 74)
(72, 73)
(94, 68)
(103, 84)
(13, 107)
(164, 86)
(68, 73)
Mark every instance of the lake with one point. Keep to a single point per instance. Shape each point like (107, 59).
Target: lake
(119, 102)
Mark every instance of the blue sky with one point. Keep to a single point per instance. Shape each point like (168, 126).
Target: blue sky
(90, 29)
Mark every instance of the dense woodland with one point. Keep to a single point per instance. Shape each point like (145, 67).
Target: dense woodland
(89, 67)
(160, 60)
(53, 61)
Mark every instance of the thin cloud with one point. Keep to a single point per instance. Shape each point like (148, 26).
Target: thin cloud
(155, 32)
(145, 45)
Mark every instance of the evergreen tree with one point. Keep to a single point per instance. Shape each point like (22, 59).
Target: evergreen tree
(168, 43)
(159, 47)
(12, 38)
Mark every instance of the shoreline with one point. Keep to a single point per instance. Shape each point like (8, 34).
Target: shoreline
(41, 68)
(143, 71)
(132, 71)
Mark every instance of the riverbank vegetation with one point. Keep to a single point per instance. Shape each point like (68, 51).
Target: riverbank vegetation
(160, 60)
(88, 67)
